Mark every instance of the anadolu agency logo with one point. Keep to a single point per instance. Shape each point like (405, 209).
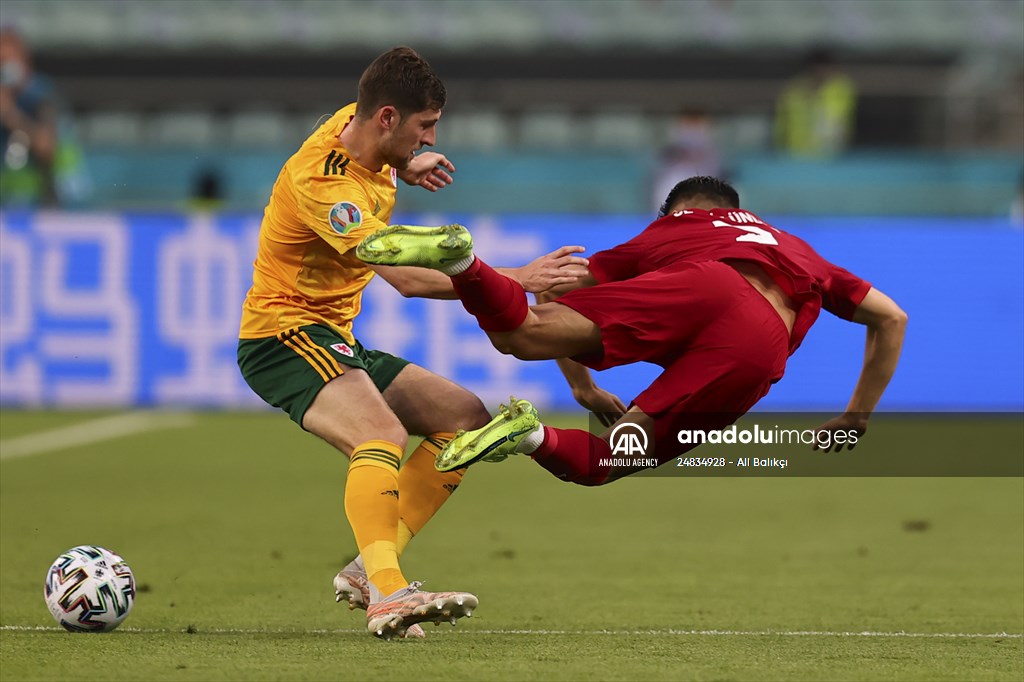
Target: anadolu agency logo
(628, 440)
(630, 447)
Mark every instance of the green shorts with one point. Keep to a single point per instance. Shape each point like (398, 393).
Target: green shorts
(289, 369)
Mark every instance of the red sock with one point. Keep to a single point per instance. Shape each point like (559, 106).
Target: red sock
(497, 302)
(573, 455)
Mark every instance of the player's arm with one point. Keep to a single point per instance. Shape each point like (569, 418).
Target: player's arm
(429, 170)
(611, 265)
(341, 218)
(607, 406)
(558, 268)
(886, 325)
(414, 282)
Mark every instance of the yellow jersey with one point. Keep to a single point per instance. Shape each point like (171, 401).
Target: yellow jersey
(322, 205)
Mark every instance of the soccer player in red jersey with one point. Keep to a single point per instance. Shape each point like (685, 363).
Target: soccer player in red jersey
(710, 292)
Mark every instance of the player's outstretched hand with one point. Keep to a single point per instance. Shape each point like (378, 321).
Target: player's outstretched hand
(558, 267)
(429, 170)
(839, 430)
(606, 406)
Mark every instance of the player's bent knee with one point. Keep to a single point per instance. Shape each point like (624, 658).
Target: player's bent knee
(399, 436)
(470, 413)
(521, 348)
(345, 435)
(504, 344)
(517, 344)
(532, 352)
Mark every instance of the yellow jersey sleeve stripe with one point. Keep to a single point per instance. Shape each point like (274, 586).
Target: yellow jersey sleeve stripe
(305, 354)
(331, 362)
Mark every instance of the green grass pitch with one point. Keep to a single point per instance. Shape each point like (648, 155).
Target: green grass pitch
(234, 528)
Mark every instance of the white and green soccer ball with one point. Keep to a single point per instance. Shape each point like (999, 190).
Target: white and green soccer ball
(89, 589)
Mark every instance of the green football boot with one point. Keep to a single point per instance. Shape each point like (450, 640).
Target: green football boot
(493, 442)
(425, 247)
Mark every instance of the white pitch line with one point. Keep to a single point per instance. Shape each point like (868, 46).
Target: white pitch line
(658, 633)
(92, 431)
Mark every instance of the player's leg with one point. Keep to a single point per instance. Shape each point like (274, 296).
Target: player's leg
(540, 332)
(498, 302)
(708, 388)
(322, 383)
(728, 345)
(328, 392)
(434, 407)
(351, 414)
(644, 318)
(345, 412)
(705, 389)
(573, 455)
(549, 331)
(372, 504)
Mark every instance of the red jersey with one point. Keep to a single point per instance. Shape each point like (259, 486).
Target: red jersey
(724, 234)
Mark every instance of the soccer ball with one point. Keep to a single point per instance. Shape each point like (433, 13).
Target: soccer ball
(89, 589)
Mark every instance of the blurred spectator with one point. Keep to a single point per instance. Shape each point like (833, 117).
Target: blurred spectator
(815, 112)
(40, 163)
(691, 151)
(207, 190)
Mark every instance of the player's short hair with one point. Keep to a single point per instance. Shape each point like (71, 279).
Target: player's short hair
(400, 78)
(701, 187)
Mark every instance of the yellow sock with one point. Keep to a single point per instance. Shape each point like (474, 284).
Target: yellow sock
(371, 504)
(422, 488)
(404, 534)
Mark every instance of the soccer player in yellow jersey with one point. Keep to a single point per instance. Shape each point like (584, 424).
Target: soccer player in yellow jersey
(297, 350)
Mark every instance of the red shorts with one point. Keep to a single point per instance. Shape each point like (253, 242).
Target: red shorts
(722, 344)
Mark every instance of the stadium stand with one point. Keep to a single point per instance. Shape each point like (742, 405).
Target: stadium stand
(551, 77)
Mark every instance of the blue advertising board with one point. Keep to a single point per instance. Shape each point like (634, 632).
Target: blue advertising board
(112, 309)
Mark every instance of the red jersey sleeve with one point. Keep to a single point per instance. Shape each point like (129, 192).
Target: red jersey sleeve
(615, 264)
(843, 292)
